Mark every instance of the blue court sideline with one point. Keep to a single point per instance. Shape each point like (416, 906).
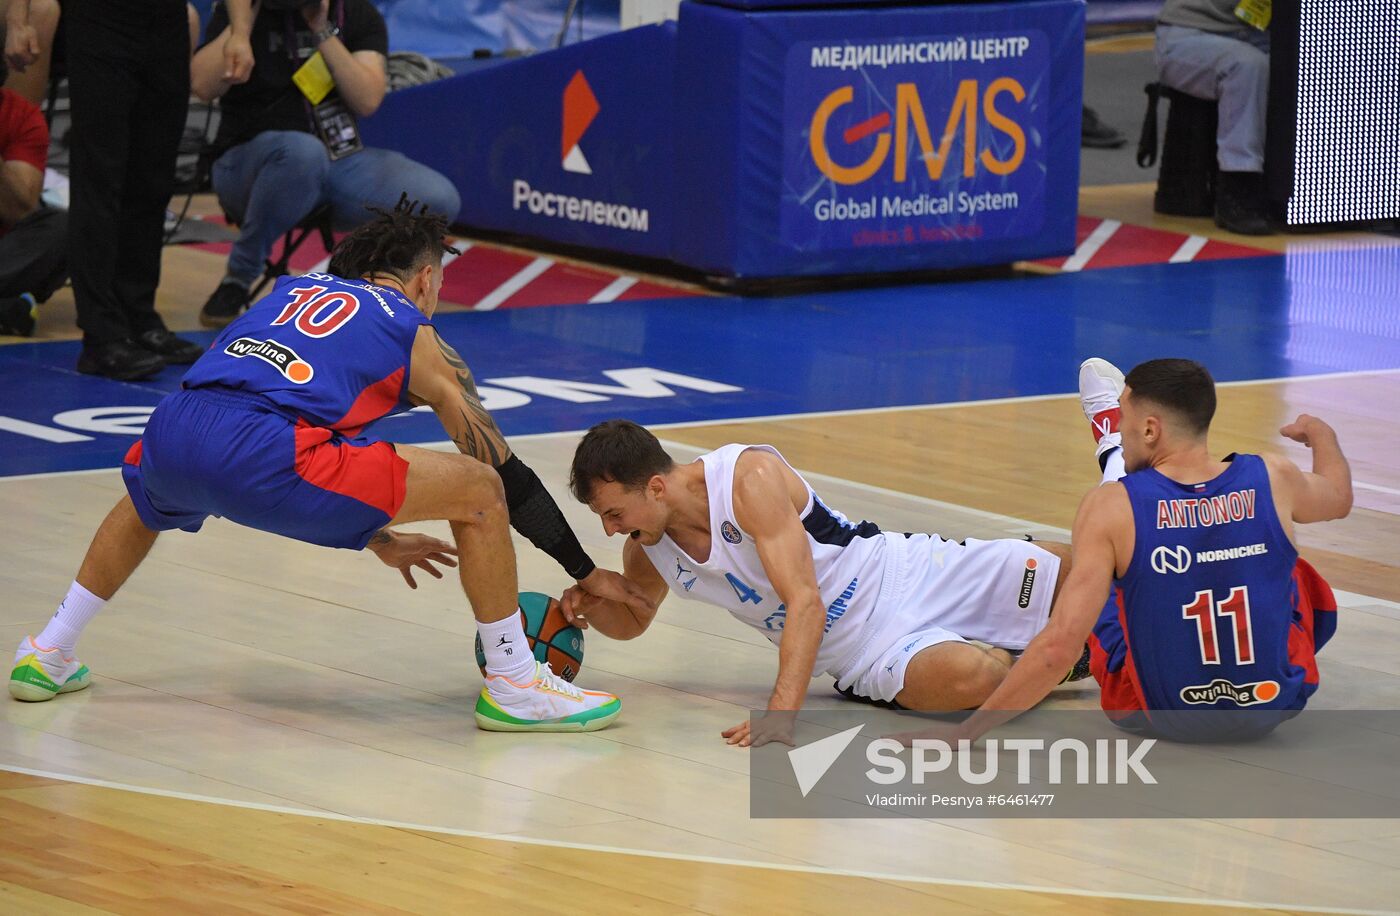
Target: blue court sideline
(1270, 317)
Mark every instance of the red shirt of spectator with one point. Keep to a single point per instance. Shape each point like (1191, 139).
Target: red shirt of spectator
(24, 137)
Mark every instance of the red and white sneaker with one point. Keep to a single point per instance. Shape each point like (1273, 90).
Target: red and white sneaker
(1100, 387)
(547, 703)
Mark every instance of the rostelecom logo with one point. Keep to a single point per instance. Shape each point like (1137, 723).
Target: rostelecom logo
(580, 108)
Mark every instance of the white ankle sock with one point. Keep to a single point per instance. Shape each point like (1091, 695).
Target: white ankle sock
(1113, 467)
(64, 627)
(507, 651)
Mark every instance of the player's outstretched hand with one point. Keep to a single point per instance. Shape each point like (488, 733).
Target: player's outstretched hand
(1306, 428)
(776, 725)
(604, 583)
(574, 604)
(405, 551)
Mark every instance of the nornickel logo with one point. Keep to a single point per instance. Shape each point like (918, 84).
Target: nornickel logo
(1171, 560)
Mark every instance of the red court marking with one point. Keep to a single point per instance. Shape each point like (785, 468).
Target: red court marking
(1219, 251)
(866, 128)
(482, 268)
(479, 271)
(1134, 245)
(560, 283)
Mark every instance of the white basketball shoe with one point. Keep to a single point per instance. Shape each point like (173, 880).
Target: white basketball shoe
(548, 703)
(42, 674)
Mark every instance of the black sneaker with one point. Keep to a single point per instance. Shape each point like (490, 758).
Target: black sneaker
(224, 305)
(18, 315)
(176, 351)
(120, 359)
(1096, 134)
(1241, 205)
(1080, 670)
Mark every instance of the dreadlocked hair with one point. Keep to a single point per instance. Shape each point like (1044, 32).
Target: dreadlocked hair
(396, 242)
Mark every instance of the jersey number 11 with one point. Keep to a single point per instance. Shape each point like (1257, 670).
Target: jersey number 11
(1204, 609)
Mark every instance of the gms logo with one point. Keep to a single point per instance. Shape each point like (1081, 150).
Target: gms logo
(1239, 694)
(942, 127)
(580, 108)
(909, 113)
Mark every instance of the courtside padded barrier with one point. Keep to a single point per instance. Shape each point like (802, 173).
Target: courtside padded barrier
(775, 143)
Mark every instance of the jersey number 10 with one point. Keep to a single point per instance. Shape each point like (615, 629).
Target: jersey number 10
(318, 315)
(1204, 610)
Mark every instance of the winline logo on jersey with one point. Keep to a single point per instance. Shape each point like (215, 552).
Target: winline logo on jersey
(277, 355)
(855, 761)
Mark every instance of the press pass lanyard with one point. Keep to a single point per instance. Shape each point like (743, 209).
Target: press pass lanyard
(1256, 13)
(330, 118)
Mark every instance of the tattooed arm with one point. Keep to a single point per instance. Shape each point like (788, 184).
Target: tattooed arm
(439, 378)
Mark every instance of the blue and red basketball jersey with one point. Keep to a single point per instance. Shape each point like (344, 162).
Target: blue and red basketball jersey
(333, 352)
(1208, 615)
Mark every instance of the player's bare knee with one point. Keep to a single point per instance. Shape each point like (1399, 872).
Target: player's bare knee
(972, 681)
(980, 684)
(480, 497)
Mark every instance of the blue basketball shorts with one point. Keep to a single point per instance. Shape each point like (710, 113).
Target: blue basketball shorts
(232, 454)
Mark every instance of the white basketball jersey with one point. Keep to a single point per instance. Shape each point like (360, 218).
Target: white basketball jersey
(849, 561)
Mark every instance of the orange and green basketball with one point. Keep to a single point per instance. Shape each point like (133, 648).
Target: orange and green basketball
(553, 639)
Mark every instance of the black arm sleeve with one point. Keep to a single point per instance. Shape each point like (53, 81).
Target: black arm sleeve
(535, 514)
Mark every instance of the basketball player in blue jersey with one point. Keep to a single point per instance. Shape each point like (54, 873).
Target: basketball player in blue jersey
(268, 430)
(1209, 606)
(892, 617)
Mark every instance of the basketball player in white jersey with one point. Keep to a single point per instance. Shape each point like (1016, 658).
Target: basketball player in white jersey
(890, 616)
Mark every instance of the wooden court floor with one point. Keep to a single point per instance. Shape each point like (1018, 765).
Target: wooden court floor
(246, 677)
(276, 728)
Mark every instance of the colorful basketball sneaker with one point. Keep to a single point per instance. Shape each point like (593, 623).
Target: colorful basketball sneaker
(1100, 387)
(546, 704)
(42, 674)
(1080, 670)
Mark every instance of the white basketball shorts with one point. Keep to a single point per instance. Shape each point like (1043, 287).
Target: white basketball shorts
(995, 592)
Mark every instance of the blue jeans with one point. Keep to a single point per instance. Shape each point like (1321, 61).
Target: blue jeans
(269, 183)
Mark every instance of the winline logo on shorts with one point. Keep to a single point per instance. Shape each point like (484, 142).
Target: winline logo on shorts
(1027, 585)
(277, 355)
(1239, 694)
